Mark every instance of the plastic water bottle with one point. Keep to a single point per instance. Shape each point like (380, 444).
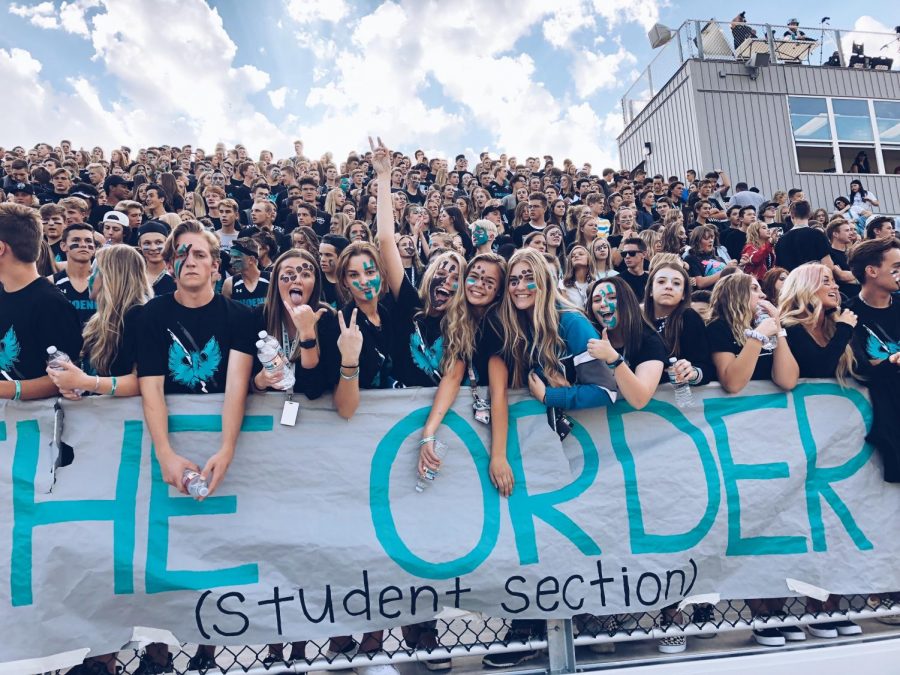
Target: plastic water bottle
(56, 358)
(422, 482)
(271, 355)
(770, 342)
(194, 484)
(684, 398)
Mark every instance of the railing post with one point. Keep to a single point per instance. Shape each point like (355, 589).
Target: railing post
(770, 38)
(699, 30)
(561, 646)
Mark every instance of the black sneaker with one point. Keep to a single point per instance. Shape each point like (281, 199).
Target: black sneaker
(508, 659)
(202, 662)
(769, 637)
(148, 666)
(91, 667)
(794, 633)
(704, 616)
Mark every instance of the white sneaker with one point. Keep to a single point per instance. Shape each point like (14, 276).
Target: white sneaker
(847, 627)
(384, 669)
(672, 645)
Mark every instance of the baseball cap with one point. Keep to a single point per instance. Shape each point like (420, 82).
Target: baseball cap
(85, 191)
(115, 217)
(793, 22)
(154, 227)
(112, 181)
(879, 219)
(22, 187)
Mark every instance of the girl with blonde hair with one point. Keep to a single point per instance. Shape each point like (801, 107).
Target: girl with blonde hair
(758, 255)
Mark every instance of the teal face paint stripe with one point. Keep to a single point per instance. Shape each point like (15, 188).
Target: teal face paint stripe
(379, 500)
(524, 507)
(641, 540)
(819, 479)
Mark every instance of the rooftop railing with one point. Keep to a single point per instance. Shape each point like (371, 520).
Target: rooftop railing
(711, 40)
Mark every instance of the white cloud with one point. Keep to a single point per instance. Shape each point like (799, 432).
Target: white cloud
(72, 16)
(42, 15)
(592, 71)
(864, 33)
(568, 19)
(277, 97)
(308, 11)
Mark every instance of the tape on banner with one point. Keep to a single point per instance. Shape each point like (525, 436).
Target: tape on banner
(702, 599)
(808, 590)
(45, 664)
(451, 613)
(144, 636)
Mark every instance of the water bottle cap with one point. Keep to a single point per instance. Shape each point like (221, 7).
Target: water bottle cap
(262, 335)
(51, 349)
(203, 491)
(672, 360)
(260, 344)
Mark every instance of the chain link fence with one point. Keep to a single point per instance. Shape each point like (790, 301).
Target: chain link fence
(508, 643)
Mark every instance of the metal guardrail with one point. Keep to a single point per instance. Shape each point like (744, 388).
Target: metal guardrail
(711, 40)
(477, 636)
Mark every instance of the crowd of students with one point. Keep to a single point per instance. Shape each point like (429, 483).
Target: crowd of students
(156, 272)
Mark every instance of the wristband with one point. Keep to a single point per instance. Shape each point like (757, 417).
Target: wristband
(18, 395)
(427, 439)
(782, 333)
(615, 364)
(355, 365)
(308, 344)
(756, 335)
(354, 376)
(698, 375)
(96, 384)
(115, 383)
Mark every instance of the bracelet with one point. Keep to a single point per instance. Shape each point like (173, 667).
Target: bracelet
(427, 439)
(115, 383)
(698, 375)
(354, 376)
(308, 344)
(618, 362)
(96, 384)
(755, 334)
(18, 395)
(355, 365)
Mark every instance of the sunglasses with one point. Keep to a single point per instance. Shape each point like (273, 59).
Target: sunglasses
(629, 254)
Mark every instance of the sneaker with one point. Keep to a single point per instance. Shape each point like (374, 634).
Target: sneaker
(769, 637)
(704, 616)
(91, 667)
(384, 669)
(331, 654)
(148, 666)
(439, 665)
(508, 659)
(672, 645)
(823, 630)
(847, 627)
(794, 633)
(203, 662)
(892, 620)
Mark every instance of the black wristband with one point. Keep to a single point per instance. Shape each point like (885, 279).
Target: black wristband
(307, 344)
(355, 365)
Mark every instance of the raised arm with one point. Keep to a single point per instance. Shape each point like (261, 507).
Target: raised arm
(384, 218)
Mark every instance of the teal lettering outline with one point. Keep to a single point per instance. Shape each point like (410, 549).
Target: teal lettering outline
(641, 541)
(715, 410)
(524, 507)
(380, 506)
(27, 514)
(163, 507)
(819, 479)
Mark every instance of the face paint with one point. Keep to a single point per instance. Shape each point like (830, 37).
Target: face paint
(95, 272)
(480, 236)
(531, 286)
(437, 291)
(526, 277)
(375, 282)
(237, 260)
(181, 257)
(606, 305)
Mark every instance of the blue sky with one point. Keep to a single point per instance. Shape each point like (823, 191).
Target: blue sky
(520, 76)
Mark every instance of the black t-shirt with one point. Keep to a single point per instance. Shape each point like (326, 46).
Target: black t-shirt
(375, 357)
(31, 320)
(721, 340)
(839, 258)
(637, 283)
(164, 285)
(488, 342)
(706, 265)
(814, 360)
(693, 345)
(190, 346)
(255, 298)
(329, 293)
(418, 342)
(734, 240)
(81, 300)
(877, 335)
(800, 245)
(127, 349)
(523, 231)
(652, 349)
(58, 254)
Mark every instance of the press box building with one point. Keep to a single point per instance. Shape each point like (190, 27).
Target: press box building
(774, 111)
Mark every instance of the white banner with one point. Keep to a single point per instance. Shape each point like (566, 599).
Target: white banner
(317, 529)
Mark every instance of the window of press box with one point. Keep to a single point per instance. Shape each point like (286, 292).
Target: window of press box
(815, 158)
(852, 121)
(891, 159)
(809, 119)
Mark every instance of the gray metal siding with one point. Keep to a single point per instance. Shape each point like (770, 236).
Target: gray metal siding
(746, 127)
(669, 123)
